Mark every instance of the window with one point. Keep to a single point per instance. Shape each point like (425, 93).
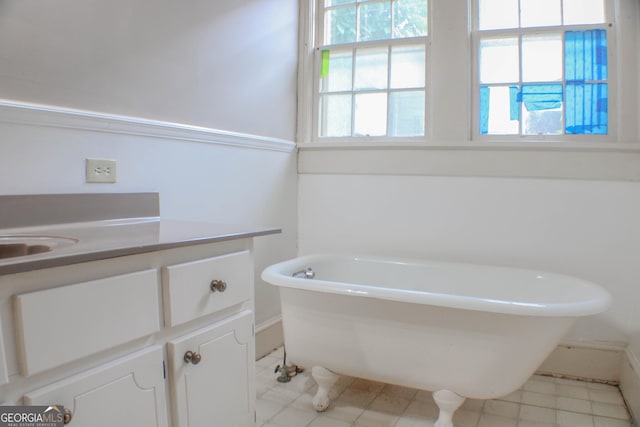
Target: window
(543, 67)
(371, 67)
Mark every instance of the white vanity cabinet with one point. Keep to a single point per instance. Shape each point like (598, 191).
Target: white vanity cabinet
(162, 338)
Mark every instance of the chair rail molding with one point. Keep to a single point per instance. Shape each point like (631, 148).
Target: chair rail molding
(23, 113)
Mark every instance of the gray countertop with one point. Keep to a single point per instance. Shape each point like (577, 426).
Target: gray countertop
(98, 240)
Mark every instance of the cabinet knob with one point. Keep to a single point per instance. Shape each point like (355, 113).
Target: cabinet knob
(192, 357)
(218, 285)
(68, 415)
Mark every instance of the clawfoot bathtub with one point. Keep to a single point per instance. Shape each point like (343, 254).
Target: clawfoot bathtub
(459, 330)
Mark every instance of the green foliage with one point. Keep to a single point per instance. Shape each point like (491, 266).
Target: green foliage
(377, 21)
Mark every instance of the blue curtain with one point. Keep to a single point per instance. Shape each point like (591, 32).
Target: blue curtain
(484, 109)
(585, 55)
(587, 98)
(514, 110)
(586, 109)
(537, 97)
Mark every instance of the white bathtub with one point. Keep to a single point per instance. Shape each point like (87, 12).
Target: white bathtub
(459, 330)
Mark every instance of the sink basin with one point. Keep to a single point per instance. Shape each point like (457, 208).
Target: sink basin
(22, 245)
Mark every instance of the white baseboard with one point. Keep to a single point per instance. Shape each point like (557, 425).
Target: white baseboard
(580, 360)
(630, 384)
(584, 360)
(588, 361)
(269, 336)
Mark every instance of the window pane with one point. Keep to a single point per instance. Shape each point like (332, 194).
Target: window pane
(409, 18)
(499, 61)
(499, 111)
(340, 25)
(406, 115)
(541, 109)
(586, 55)
(371, 114)
(548, 81)
(339, 73)
(547, 122)
(375, 21)
(542, 58)
(407, 66)
(328, 3)
(371, 68)
(583, 12)
(335, 115)
(496, 14)
(587, 106)
(539, 13)
(538, 97)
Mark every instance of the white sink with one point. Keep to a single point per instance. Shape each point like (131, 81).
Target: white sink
(28, 244)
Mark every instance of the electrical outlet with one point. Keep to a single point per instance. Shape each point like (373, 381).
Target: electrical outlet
(101, 170)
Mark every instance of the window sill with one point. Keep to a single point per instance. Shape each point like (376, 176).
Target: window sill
(554, 160)
(477, 145)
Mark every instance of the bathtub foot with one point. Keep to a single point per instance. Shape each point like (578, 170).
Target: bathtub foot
(325, 379)
(448, 402)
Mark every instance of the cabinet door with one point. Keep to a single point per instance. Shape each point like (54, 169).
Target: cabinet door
(128, 392)
(4, 374)
(217, 388)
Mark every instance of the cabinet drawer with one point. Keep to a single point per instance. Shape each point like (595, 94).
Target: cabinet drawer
(128, 392)
(188, 290)
(59, 325)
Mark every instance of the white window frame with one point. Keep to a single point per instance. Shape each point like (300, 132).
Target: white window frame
(613, 124)
(452, 146)
(312, 39)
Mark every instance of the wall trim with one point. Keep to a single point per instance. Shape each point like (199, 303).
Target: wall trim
(268, 323)
(613, 162)
(633, 360)
(22, 113)
(585, 360)
(492, 145)
(269, 336)
(595, 345)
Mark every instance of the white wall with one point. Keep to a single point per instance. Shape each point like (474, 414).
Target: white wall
(635, 342)
(222, 65)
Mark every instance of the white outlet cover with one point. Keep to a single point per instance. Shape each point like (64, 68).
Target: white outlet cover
(100, 171)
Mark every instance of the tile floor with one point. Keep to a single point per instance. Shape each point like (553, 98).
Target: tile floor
(541, 402)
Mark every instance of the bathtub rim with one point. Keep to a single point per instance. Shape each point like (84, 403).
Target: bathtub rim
(599, 301)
